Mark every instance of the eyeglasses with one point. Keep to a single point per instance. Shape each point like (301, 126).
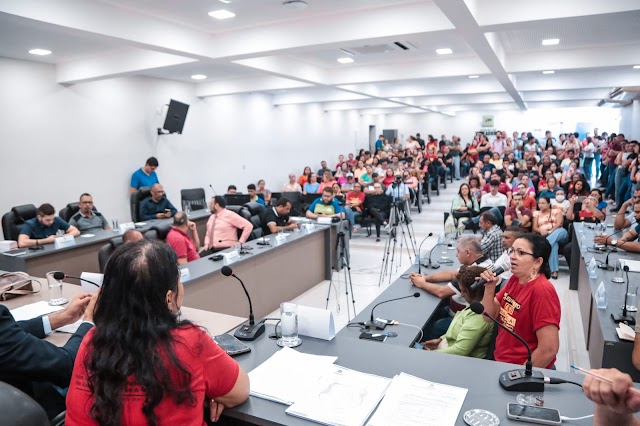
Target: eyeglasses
(518, 252)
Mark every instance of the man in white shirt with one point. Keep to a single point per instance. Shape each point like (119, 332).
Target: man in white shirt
(493, 198)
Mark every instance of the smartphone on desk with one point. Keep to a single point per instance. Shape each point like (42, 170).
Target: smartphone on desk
(531, 414)
(231, 345)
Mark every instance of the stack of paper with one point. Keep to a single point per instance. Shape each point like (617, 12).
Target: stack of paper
(34, 310)
(413, 401)
(283, 377)
(340, 397)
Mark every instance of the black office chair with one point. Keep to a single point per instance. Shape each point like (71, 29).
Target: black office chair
(12, 221)
(19, 409)
(135, 199)
(67, 212)
(106, 251)
(194, 198)
(296, 202)
(307, 200)
(275, 196)
(162, 229)
(236, 199)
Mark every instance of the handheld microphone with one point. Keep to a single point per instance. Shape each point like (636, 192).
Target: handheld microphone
(498, 271)
(243, 250)
(419, 252)
(435, 265)
(381, 324)
(248, 330)
(625, 317)
(59, 276)
(525, 380)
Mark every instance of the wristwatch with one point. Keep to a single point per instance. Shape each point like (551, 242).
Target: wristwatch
(614, 242)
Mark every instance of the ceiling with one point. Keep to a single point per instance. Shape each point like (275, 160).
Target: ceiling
(291, 54)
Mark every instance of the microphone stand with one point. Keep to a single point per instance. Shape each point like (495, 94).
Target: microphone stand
(242, 251)
(420, 251)
(625, 317)
(435, 265)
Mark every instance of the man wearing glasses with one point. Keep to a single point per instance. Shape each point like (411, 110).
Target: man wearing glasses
(157, 206)
(86, 219)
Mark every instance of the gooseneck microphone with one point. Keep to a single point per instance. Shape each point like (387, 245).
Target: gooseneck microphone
(381, 324)
(214, 191)
(498, 271)
(625, 317)
(248, 330)
(243, 249)
(420, 251)
(435, 265)
(525, 380)
(61, 276)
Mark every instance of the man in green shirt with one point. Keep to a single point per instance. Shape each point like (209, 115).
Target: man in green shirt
(468, 334)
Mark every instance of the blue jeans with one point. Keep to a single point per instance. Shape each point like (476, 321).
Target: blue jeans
(351, 215)
(588, 164)
(456, 166)
(495, 211)
(598, 157)
(611, 183)
(621, 174)
(624, 190)
(557, 237)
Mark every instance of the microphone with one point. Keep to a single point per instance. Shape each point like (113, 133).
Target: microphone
(381, 324)
(498, 271)
(59, 276)
(243, 250)
(248, 330)
(606, 265)
(435, 265)
(419, 252)
(214, 191)
(525, 380)
(625, 317)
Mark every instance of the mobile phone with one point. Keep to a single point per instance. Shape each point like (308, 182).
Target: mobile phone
(231, 345)
(369, 336)
(531, 414)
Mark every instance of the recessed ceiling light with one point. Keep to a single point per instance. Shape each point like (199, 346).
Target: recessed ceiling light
(225, 1)
(345, 60)
(40, 52)
(636, 67)
(198, 76)
(548, 72)
(221, 14)
(295, 4)
(446, 51)
(474, 76)
(550, 41)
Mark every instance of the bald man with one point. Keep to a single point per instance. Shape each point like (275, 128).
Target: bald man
(157, 206)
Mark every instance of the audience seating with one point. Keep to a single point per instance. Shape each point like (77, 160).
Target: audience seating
(19, 409)
(135, 199)
(12, 221)
(194, 198)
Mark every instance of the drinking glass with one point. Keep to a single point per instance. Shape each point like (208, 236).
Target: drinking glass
(631, 301)
(289, 325)
(55, 290)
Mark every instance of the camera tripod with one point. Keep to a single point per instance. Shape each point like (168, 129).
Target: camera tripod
(342, 262)
(398, 219)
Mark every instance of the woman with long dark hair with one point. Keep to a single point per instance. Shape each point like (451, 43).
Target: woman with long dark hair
(528, 304)
(140, 364)
(305, 177)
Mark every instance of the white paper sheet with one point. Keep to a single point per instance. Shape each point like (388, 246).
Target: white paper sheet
(413, 401)
(70, 328)
(94, 278)
(317, 323)
(341, 397)
(33, 310)
(283, 377)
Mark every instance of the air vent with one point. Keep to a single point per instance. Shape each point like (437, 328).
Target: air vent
(378, 49)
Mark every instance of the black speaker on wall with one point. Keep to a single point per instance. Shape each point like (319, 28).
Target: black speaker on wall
(176, 116)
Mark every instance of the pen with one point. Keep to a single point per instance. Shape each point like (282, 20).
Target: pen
(597, 376)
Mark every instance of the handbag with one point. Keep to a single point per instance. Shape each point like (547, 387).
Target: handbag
(15, 284)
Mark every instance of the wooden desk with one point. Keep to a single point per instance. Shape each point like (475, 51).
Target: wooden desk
(213, 322)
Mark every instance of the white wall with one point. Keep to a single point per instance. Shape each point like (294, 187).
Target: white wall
(630, 121)
(58, 142)
(465, 124)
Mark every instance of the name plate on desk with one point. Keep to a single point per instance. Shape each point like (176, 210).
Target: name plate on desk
(64, 242)
(185, 275)
(229, 258)
(308, 228)
(126, 226)
(280, 239)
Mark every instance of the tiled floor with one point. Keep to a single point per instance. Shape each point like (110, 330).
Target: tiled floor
(366, 260)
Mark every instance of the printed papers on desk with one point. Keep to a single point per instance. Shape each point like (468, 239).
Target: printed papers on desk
(413, 401)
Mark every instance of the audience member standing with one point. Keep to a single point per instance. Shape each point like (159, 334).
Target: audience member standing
(145, 176)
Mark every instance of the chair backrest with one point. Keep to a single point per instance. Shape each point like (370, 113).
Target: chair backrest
(162, 230)
(12, 221)
(66, 213)
(19, 409)
(254, 208)
(135, 199)
(106, 251)
(296, 201)
(194, 198)
(236, 199)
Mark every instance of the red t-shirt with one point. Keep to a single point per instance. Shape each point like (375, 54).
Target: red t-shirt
(182, 245)
(360, 196)
(213, 374)
(503, 188)
(525, 309)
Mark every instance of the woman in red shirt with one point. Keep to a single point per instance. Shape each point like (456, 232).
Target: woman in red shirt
(389, 177)
(528, 304)
(140, 364)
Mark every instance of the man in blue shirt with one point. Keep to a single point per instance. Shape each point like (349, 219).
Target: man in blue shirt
(145, 176)
(43, 228)
(326, 206)
(156, 206)
(253, 196)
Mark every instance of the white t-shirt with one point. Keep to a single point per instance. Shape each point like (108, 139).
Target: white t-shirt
(489, 200)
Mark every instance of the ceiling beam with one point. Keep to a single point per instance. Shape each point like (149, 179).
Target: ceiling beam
(247, 85)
